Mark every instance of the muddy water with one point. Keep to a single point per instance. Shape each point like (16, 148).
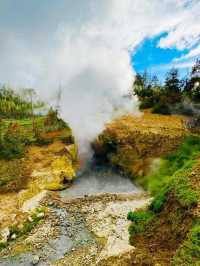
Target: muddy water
(96, 180)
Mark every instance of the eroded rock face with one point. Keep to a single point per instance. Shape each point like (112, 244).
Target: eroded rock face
(50, 167)
(133, 142)
(53, 166)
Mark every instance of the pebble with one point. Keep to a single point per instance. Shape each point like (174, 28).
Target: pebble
(35, 260)
(50, 203)
(40, 215)
(13, 236)
(30, 219)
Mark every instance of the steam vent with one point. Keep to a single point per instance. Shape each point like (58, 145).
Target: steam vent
(100, 133)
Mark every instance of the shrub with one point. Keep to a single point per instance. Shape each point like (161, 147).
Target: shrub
(139, 219)
(158, 202)
(53, 122)
(146, 103)
(11, 143)
(161, 108)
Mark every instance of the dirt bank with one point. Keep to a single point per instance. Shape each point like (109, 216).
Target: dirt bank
(132, 142)
(24, 181)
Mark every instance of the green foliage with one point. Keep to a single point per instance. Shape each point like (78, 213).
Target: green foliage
(189, 252)
(146, 103)
(182, 159)
(18, 105)
(52, 122)
(186, 196)
(139, 221)
(161, 108)
(139, 216)
(28, 224)
(159, 200)
(16, 134)
(172, 82)
(172, 95)
(11, 143)
(172, 176)
(192, 84)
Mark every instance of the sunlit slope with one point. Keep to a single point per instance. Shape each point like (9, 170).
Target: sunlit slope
(132, 142)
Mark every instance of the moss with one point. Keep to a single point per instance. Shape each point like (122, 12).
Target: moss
(158, 202)
(184, 158)
(189, 252)
(139, 219)
(176, 196)
(186, 196)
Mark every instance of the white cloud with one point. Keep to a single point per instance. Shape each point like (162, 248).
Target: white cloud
(186, 32)
(193, 53)
(88, 53)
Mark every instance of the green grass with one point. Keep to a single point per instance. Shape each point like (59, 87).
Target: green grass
(28, 131)
(27, 225)
(183, 159)
(189, 252)
(139, 221)
(171, 183)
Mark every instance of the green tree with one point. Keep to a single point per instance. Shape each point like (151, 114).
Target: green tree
(172, 87)
(192, 88)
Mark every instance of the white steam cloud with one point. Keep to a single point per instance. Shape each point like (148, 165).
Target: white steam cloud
(88, 53)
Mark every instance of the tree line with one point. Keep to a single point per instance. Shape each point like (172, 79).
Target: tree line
(176, 95)
(19, 105)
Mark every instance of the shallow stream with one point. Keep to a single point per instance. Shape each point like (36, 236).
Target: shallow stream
(93, 181)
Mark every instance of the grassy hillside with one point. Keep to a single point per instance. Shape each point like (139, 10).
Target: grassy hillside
(131, 143)
(162, 155)
(168, 232)
(16, 138)
(37, 153)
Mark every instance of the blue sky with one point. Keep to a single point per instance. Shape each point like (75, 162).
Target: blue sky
(45, 43)
(155, 60)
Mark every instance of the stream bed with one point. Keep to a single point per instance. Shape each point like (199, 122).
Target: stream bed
(71, 226)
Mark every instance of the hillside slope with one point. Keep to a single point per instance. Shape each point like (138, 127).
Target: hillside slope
(162, 155)
(132, 142)
(32, 163)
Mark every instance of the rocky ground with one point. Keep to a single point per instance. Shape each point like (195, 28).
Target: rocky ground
(83, 231)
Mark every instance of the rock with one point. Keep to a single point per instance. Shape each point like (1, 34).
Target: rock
(40, 215)
(32, 203)
(50, 204)
(35, 260)
(30, 219)
(4, 234)
(13, 236)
